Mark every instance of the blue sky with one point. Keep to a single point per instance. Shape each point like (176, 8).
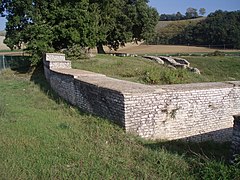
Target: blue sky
(173, 6)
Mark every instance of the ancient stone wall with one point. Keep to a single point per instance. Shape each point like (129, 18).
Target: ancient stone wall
(195, 112)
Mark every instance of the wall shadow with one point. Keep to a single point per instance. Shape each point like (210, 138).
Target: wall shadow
(203, 148)
(20, 64)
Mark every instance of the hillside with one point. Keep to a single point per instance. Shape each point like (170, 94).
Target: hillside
(163, 24)
(166, 31)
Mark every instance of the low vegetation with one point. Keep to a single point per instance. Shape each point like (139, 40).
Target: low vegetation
(42, 137)
(137, 69)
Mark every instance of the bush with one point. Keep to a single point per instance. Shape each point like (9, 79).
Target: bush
(216, 53)
(165, 76)
(76, 52)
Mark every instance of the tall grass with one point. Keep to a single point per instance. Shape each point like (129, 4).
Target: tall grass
(42, 137)
(217, 68)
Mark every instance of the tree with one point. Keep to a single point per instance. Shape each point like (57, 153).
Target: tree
(191, 13)
(202, 11)
(179, 16)
(48, 26)
(219, 28)
(121, 21)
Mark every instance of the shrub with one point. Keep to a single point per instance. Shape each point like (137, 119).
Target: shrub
(76, 52)
(164, 76)
(216, 53)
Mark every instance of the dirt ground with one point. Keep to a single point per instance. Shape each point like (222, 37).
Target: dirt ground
(160, 49)
(164, 49)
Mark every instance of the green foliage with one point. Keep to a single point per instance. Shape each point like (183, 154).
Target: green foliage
(75, 53)
(191, 13)
(202, 11)
(216, 53)
(44, 26)
(219, 28)
(165, 76)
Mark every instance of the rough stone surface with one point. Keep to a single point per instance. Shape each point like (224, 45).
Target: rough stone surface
(195, 112)
(169, 60)
(154, 58)
(181, 61)
(194, 70)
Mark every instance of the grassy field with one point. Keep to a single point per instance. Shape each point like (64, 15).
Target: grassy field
(137, 69)
(42, 137)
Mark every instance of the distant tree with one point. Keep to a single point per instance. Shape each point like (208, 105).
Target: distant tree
(179, 16)
(202, 11)
(171, 17)
(163, 17)
(219, 28)
(191, 13)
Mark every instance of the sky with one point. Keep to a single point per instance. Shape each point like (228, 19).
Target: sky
(173, 6)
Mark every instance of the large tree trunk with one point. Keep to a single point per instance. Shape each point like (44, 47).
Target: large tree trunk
(100, 49)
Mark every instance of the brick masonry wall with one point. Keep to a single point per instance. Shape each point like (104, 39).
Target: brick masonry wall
(195, 112)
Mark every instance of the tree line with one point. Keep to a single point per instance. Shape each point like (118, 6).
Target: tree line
(49, 26)
(219, 28)
(191, 13)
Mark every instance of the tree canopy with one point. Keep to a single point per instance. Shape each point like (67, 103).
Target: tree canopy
(48, 26)
(220, 29)
(191, 13)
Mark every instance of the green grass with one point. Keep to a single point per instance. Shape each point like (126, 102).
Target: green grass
(136, 69)
(217, 68)
(42, 137)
